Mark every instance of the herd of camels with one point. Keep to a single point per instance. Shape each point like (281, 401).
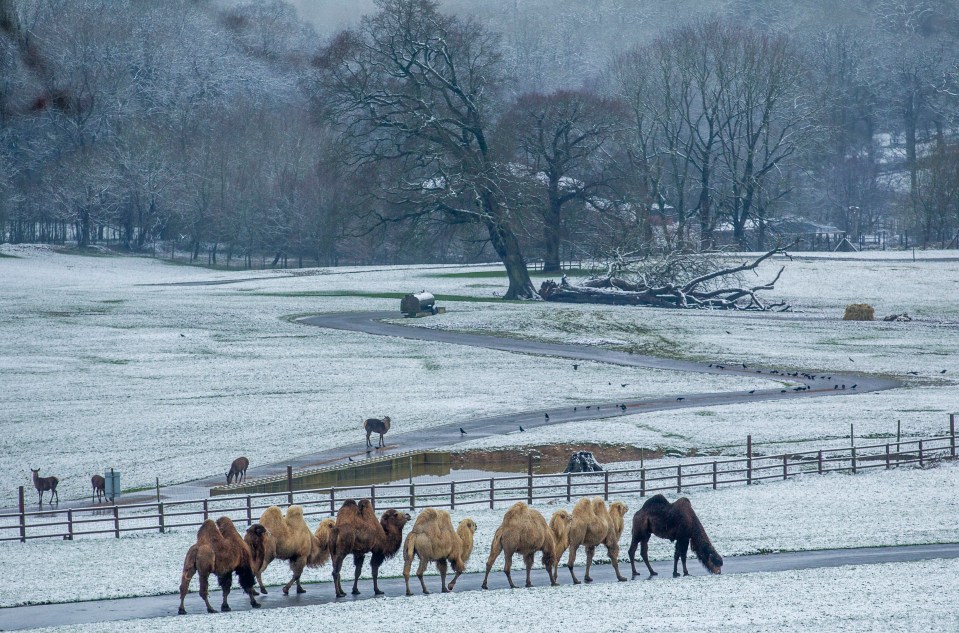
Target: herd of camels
(220, 550)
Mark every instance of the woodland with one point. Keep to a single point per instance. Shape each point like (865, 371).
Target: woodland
(414, 131)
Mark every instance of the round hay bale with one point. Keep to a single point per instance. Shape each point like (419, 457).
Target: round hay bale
(859, 312)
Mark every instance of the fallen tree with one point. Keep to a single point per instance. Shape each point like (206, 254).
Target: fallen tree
(704, 291)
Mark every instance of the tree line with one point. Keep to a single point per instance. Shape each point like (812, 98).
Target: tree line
(234, 133)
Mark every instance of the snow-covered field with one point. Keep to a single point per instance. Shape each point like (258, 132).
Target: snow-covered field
(898, 507)
(894, 597)
(104, 364)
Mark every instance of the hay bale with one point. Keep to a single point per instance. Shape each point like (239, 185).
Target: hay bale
(859, 312)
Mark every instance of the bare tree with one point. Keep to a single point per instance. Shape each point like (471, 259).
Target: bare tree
(416, 87)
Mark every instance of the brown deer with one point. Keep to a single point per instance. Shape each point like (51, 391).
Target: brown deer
(374, 425)
(237, 470)
(42, 484)
(99, 488)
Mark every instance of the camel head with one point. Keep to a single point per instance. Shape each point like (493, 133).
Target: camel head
(392, 518)
(713, 562)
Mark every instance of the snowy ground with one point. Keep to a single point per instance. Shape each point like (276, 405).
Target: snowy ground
(811, 512)
(858, 598)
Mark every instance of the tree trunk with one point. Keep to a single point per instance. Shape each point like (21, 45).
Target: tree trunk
(552, 237)
(507, 247)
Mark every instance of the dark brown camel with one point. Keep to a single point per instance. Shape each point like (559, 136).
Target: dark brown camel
(358, 532)
(99, 487)
(677, 522)
(220, 550)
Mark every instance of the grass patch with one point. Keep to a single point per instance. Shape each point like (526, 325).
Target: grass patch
(501, 274)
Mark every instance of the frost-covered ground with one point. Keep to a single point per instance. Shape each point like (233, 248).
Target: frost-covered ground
(898, 507)
(894, 597)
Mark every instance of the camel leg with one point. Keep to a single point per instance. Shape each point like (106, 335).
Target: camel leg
(507, 567)
(590, 552)
(633, 543)
(644, 551)
(571, 561)
(528, 561)
(358, 568)
(614, 561)
(185, 587)
(375, 561)
(337, 566)
(226, 582)
(458, 568)
(407, 566)
(494, 551)
(441, 566)
(682, 547)
(419, 574)
(296, 565)
(259, 580)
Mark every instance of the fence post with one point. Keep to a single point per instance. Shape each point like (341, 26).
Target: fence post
(569, 487)
(373, 496)
(749, 460)
(714, 475)
(887, 457)
(785, 466)
(492, 482)
(529, 479)
(289, 484)
(819, 462)
(160, 517)
(679, 479)
(412, 496)
(69, 525)
(920, 453)
(606, 485)
(332, 501)
(642, 482)
(158, 490)
(852, 445)
(249, 511)
(452, 495)
(116, 520)
(952, 435)
(206, 510)
(23, 517)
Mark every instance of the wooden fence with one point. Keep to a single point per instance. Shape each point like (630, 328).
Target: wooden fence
(671, 479)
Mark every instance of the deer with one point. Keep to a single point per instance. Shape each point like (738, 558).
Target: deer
(373, 425)
(99, 487)
(42, 484)
(237, 470)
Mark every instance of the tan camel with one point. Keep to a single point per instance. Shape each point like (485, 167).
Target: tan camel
(433, 539)
(523, 531)
(218, 550)
(358, 532)
(594, 525)
(294, 543)
(559, 526)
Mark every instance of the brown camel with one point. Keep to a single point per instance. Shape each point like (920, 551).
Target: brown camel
(263, 550)
(677, 522)
(433, 539)
(358, 532)
(219, 550)
(594, 525)
(294, 543)
(523, 531)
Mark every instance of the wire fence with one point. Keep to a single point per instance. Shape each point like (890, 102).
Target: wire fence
(163, 516)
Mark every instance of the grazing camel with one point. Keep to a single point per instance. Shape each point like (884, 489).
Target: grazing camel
(433, 539)
(218, 550)
(374, 425)
(99, 488)
(42, 484)
(594, 525)
(523, 531)
(358, 532)
(237, 470)
(294, 542)
(677, 522)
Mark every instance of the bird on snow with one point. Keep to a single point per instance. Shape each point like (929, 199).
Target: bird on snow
(349, 458)
(623, 384)
(914, 373)
(753, 391)
(462, 432)
(575, 367)
(854, 386)
(575, 408)
(851, 360)
(546, 415)
(521, 429)
(680, 399)
(623, 407)
(943, 371)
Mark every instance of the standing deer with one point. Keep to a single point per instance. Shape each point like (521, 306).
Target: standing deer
(374, 425)
(237, 470)
(99, 487)
(42, 484)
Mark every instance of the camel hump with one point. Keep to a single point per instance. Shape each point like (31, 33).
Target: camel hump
(208, 530)
(656, 501)
(295, 513)
(271, 517)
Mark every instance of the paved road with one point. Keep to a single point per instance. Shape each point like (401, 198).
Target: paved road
(18, 618)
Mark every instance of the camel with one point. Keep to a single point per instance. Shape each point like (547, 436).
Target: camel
(677, 522)
(523, 531)
(374, 425)
(294, 542)
(99, 487)
(594, 525)
(559, 525)
(358, 532)
(263, 550)
(218, 550)
(237, 470)
(433, 539)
